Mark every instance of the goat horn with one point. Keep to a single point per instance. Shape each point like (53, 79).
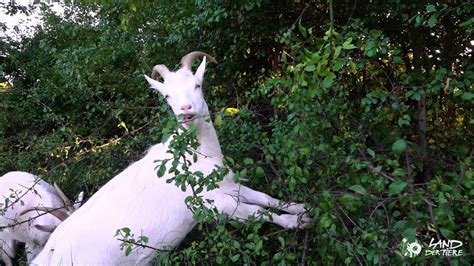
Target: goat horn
(45, 228)
(162, 70)
(187, 60)
(63, 197)
(61, 215)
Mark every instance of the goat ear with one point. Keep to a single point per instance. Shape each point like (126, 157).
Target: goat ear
(154, 84)
(200, 71)
(79, 199)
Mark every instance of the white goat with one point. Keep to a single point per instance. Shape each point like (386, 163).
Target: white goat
(30, 209)
(136, 198)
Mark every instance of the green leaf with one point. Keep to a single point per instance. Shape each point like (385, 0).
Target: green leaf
(399, 172)
(399, 224)
(418, 20)
(396, 187)
(235, 224)
(161, 170)
(126, 230)
(218, 120)
(325, 221)
(448, 234)
(230, 160)
(236, 244)
(144, 239)
(347, 199)
(432, 21)
(358, 189)
(259, 246)
(467, 23)
(337, 52)
(410, 234)
(283, 57)
(326, 194)
(353, 66)
(441, 198)
(259, 172)
(310, 68)
(277, 256)
(128, 250)
(371, 152)
(282, 241)
(248, 161)
(370, 52)
(235, 258)
(399, 146)
(347, 45)
(302, 29)
(348, 41)
(417, 96)
(404, 120)
(430, 8)
(467, 96)
(327, 82)
(338, 64)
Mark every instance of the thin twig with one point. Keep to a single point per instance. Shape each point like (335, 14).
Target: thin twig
(142, 245)
(31, 219)
(305, 244)
(352, 239)
(354, 223)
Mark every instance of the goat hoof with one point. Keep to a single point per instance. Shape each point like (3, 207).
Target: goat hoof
(295, 208)
(305, 221)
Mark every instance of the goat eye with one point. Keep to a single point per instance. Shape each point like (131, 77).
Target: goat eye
(197, 86)
(167, 97)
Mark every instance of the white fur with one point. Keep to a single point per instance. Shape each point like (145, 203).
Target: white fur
(29, 192)
(136, 198)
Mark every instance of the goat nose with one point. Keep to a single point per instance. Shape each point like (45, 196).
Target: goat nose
(186, 107)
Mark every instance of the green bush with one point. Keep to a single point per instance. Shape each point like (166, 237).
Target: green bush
(361, 110)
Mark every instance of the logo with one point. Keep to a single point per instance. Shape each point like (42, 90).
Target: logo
(446, 248)
(410, 250)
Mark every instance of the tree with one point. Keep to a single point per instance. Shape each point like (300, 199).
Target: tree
(362, 110)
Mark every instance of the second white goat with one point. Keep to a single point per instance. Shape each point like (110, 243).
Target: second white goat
(30, 210)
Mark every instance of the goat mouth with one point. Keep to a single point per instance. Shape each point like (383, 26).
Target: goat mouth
(188, 118)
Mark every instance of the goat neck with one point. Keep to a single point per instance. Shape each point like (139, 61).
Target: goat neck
(207, 137)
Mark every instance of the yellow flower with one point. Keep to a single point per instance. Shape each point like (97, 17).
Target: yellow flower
(231, 111)
(459, 121)
(123, 125)
(4, 85)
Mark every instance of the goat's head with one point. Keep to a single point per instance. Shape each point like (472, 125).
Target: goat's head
(182, 89)
(61, 213)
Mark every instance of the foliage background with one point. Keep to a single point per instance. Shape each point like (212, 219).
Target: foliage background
(361, 109)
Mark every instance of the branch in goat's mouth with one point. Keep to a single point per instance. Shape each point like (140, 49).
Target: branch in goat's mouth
(188, 118)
